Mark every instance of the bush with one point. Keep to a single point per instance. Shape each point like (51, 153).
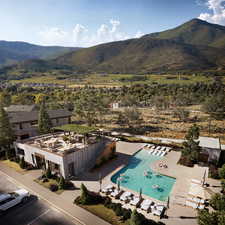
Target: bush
(222, 172)
(213, 172)
(48, 173)
(53, 187)
(62, 183)
(107, 202)
(218, 202)
(126, 213)
(118, 210)
(22, 163)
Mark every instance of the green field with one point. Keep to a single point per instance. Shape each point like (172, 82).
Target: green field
(117, 79)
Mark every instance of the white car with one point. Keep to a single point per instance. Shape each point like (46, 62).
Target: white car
(11, 199)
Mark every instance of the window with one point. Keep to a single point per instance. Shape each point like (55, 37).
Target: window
(21, 126)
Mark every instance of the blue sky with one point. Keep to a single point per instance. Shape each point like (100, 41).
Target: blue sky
(90, 22)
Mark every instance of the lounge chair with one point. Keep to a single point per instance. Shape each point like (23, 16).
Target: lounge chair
(155, 152)
(196, 181)
(125, 196)
(146, 204)
(160, 207)
(201, 206)
(158, 148)
(153, 147)
(158, 210)
(192, 204)
(163, 154)
(109, 188)
(163, 148)
(135, 201)
(159, 153)
(116, 193)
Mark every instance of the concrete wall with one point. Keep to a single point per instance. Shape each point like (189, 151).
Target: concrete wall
(83, 159)
(31, 150)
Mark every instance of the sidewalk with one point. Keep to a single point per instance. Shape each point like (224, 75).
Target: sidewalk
(79, 215)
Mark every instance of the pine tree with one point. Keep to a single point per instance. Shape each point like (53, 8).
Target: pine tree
(44, 121)
(62, 182)
(7, 136)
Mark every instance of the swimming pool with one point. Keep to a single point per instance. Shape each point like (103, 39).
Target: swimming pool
(138, 175)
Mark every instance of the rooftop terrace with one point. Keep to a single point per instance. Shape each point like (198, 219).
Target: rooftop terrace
(61, 143)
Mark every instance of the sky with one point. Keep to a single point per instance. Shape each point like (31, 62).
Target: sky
(84, 23)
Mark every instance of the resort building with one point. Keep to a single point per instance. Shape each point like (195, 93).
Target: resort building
(24, 119)
(210, 149)
(66, 154)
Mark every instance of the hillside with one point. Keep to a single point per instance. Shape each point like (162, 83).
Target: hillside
(184, 48)
(13, 52)
(195, 32)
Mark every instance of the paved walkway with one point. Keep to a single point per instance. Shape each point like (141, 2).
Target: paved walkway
(81, 216)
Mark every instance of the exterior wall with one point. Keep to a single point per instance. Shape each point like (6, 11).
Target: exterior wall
(30, 150)
(214, 154)
(83, 159)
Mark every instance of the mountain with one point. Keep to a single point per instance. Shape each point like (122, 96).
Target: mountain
(13, 52)
(195, 32)
(195, 45)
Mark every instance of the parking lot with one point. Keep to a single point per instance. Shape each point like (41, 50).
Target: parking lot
(34, 212)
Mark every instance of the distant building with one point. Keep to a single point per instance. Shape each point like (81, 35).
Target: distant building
(24, 119)
(210, 149)
(66, 156)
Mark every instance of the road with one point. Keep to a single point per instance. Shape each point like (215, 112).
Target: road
(33, 212)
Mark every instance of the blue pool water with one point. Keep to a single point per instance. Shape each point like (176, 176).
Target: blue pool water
(133, 177)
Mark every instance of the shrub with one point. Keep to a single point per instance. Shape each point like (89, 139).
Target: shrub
(22, 163)
(107, 202)
(45, 180)
(222, 172)
(126, 213)
(213, 172)
(48, 173)
(218, 202)
(53, 187)
(119, 211)
(62, 182)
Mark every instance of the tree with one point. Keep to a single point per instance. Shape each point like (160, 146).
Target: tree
(222, 172)
(215, 106)
(5, 98)
(218, 202)
(191, 147)
(86, 198)
(223, 185)
(62, 182)
(44, 121)
(132, 116)
(182, 114)
(136, 218)
(7, 136)
(207, 218)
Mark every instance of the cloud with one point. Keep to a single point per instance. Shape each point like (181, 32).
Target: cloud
(218, 12)
(81, 36)
(53, 35)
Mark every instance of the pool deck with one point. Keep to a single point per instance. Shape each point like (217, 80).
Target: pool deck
(183, 176)
(179, 191)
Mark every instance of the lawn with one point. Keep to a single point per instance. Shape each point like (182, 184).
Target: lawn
(104, 213)
(48, 183)
(14, 165)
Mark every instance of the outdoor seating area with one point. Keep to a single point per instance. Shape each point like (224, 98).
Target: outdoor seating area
(129, 199)
(157, 150)
(197, 195)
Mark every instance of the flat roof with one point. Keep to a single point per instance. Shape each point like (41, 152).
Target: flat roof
(209, 142)
(59, 143)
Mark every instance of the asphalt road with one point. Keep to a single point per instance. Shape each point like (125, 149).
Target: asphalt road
(33, 212)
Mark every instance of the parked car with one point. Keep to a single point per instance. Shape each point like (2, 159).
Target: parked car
(9, 200)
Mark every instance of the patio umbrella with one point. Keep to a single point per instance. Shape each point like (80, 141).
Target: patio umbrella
(203, 179)
(140, 193)
(168, 202)
(118, 185)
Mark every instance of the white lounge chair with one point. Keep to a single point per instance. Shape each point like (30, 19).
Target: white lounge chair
(116, 193)
(160, 207)
(192, 204)
(196, 181)
(158, 148)
(145, 205)
(107, 189)
(125, 196)
(159, 153)
(135, 201)
(201, 206)
(157, 212)
(163, 148)
(163, 154)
